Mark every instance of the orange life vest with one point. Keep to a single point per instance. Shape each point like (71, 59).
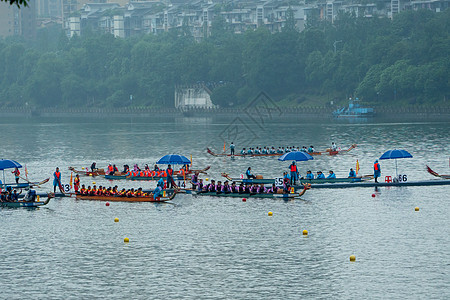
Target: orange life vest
(376, 166)
(293, 168)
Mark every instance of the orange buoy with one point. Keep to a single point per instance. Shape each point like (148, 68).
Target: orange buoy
(243, 199)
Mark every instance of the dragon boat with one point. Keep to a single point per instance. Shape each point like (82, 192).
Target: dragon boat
(326, 152)
(148, 198)
(98, 172)
(302, 180)
(436, 174)
(28, 204)
(24, 185)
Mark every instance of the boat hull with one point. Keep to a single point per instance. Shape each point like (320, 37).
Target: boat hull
(248, 195)
(142, 178)
(123, 199)
(312, 181)
(25, 204)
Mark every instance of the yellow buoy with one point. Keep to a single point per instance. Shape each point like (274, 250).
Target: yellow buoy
(82, 168)
(90, 174)
(206, 179)
(93, 182)
(305, 232)
(116, 220)
(270, 213)
(352, 258)
(417, 208)
(126, 240)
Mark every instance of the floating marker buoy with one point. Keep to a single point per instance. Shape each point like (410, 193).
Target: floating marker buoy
(93, 182)
(90, 175)
(82, 168)
(206, 179)
(352, 258)
(126, 240)
(270, 213)
(107, 203)
(417, 208)
(243, 199)
(116, 220)
(305, 232)
(373, 195)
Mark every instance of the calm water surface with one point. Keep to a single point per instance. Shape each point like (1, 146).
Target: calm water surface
(223, 248)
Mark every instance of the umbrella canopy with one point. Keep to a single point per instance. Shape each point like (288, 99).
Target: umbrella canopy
(173, 159)
(9, 164)
(394, 154)
(296, 155)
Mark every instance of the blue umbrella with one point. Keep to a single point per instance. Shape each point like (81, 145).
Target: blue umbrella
(174, 159)
(394, 154)
(296, 155)
(8, 164)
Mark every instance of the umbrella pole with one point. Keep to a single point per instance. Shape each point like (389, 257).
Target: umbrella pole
(396, 173)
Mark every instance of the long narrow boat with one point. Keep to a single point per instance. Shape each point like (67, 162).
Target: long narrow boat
(24, 185)
(126, 199)
(326, 152)
(99, 172)
(145, 178)
(248, 195)
(436, 174)
(32, 204)
(316, 181)
(177, 175)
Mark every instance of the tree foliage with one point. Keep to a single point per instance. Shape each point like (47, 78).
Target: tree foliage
(405, 59)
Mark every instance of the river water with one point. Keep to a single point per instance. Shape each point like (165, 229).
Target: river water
(223, 248)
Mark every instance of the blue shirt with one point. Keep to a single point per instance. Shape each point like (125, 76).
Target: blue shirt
(310, 176)
(352, 174)
(157, 192)
(331, 176)
(320, 176)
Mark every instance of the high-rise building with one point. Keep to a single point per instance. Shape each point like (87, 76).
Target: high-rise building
(15, 21)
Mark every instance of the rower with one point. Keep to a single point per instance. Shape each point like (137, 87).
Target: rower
(249, 174)
(333, 147)
(311, 149)
(194, 180)
(309, 175)
(93, 167)
(157, 192)
(243, 152)
(199, 185)
(15, 196)
(82, 190)
(219, 187)
(232, 146)
(320, 175)
(352, 173)
(156, 168)
(331, 175)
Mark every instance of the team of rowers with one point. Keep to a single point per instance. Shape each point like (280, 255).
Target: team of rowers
(280, 150)
(242, 188)
(114, 191)
(146, 171)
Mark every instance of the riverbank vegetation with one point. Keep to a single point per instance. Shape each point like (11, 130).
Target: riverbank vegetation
(403, 61)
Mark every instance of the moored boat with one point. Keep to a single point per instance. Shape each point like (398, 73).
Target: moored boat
(354, 110)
